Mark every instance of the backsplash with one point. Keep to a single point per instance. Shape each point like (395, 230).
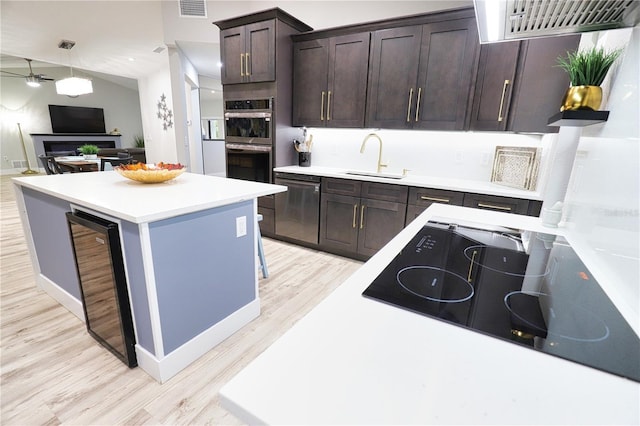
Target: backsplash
(458, 155)
(602, 205)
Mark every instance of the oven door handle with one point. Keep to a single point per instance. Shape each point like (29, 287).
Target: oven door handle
(253, 114)
(234, 147)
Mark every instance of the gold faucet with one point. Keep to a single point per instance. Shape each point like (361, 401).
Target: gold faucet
(364, 143)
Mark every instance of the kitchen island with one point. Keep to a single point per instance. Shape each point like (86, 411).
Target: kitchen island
(189, 251)
(354, 360)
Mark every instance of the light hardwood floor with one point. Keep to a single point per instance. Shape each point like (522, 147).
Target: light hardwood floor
(52, 372)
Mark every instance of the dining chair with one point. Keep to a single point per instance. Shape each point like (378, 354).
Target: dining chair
(50, 164)
(115, 162)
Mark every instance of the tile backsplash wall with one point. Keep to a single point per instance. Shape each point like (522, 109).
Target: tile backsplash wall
(457, 155)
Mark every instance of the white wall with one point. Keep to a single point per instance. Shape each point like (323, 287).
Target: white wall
(160, 144)
(211, 108)
(30, 105)
(603, 199)
(316, 13)
(184, 82)
(456, 155)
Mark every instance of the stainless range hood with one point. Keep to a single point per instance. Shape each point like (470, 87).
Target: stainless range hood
(505, 20)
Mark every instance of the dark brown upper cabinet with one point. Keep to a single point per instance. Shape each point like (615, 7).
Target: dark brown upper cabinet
(494, 85)
(249, 45)
(330, 81)
(519, 86)
(420, 76)
(447, 60)
(248, 53)
(393, 75)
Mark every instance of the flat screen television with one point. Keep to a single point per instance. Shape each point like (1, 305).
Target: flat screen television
(73, 119)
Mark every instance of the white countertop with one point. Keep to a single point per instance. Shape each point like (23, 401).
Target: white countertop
(474, 186)
(354, 360)
(115, 195)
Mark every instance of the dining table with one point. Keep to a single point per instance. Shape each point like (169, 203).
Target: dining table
(79, 164)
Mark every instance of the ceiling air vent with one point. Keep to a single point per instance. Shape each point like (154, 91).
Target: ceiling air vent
(192, 8)
(505, 20)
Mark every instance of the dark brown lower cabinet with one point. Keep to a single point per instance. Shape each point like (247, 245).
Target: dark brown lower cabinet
(266, 207)
(496, 203)
(380, 221)
(358, 226)
(421, 198)
(338, 222)
(358, 218)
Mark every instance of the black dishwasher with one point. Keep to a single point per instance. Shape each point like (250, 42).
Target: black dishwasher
(298, 209)
(103, 284)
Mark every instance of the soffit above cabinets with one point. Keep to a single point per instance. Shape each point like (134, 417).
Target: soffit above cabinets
(504, 20)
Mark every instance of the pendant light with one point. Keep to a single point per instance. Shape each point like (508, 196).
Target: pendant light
(72, 86)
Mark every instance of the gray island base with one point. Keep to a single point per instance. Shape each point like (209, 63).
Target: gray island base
(189, 251)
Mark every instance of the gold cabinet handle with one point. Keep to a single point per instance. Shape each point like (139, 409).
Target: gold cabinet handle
(435, 199)
(473, 257)
(328, 105)
(242, 65)
(355, 214)
(322, 107)
(491, 206)
(409, 105)
(504, 92)
(247, 71)
(418, 102)
(362, 217)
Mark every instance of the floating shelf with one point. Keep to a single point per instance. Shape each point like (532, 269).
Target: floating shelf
(580, 118)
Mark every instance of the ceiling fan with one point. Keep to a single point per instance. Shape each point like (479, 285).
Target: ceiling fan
(32, 79)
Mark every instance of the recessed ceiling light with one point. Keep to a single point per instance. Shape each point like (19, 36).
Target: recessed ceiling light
(219, 64)
(131, 59)
(213, 91)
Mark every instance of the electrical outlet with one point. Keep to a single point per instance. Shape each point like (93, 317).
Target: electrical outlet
(5, 158)
(486, 158)
(459, 157)
(241, 226)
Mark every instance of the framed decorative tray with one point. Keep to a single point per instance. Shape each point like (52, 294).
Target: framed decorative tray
(516, 167)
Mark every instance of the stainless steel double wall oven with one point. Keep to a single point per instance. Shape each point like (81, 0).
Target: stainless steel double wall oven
(249, 138)
(258, 137)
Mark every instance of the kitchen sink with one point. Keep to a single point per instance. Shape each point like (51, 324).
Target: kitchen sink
(374, 174)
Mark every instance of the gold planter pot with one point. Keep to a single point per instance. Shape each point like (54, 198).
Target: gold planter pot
(582, 97)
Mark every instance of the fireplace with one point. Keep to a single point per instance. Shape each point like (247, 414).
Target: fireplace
(65, 143)
(71, 147)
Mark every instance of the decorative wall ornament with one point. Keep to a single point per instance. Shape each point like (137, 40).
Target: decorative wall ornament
(164, 113)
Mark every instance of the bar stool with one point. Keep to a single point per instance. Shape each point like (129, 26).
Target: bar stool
(263, 262)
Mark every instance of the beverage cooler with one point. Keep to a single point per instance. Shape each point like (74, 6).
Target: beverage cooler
(103, 284)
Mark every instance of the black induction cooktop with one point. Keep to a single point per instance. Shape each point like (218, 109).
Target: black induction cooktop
(530, 289)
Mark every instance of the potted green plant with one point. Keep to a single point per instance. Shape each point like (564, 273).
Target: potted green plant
(138, 141)
(587, 69)
(89, 151)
